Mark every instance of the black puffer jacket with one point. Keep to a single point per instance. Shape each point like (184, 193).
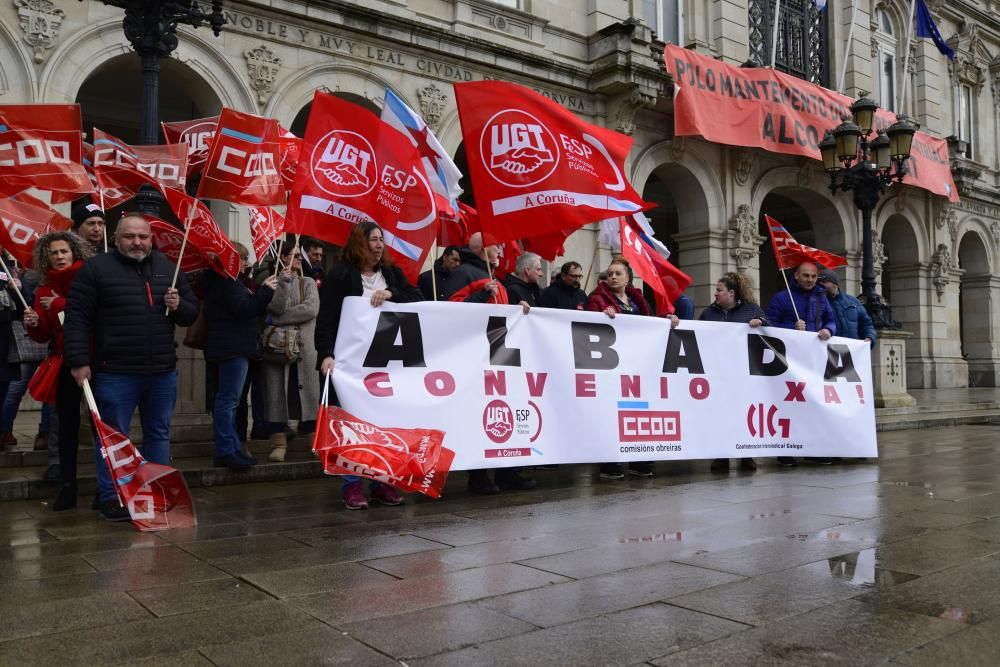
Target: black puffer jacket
(561, 295)
(471, 269)
(518, 290)
(118, 302)
(741, 312)
(232, 311)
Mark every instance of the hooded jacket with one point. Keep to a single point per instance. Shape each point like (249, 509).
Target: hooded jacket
(812, 306)
(561, 295)
(520, 290)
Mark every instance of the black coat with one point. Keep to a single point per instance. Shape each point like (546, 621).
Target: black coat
(741, 312)
(117, 302)
(561, 295)
(471, 269)
(344, 281)
(232, 311)
(12, 310)
(519, 290)
(426, 285)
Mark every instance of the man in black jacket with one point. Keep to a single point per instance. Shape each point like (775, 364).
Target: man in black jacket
(473, 268)
(565, 292)
(522, 285)
(443, 267)
(120, 319)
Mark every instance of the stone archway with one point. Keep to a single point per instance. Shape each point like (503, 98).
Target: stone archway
(17, 74)
(976, 311)
(901, 286)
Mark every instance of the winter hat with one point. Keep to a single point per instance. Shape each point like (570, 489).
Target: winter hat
(828, 276)
(84, 211)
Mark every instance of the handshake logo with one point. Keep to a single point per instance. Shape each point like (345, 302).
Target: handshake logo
(346, 165)
(517, 149)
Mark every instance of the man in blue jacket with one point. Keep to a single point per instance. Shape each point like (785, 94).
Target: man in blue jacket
(852, 319)
(812, 312)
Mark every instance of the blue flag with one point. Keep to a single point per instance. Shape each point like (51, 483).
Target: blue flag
(927, 28)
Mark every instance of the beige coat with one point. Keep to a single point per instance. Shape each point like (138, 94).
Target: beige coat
(287, 308)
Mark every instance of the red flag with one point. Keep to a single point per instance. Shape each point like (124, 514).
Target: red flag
(789, 253)
(244, 162)
(41, 146)
(205, 234)
(291, 152)
(409, 459)
(666, 280)
(266, 226)
(168, 239)
(121, 169)
(355, 168)
(535, 167)
(24, 220)
(198, 134)
(548, 246)
(156, 495)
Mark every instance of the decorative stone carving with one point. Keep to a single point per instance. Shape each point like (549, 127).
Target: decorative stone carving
(995, 231)
(744, 165)
(625, 108)
(263, 67)
(941, 265)
(745, 240)
(995, 80)
(677, 147)
(946, 216)
(900, 200)
(432, 102)
(40, 21)
(878, 254)
(804, 175)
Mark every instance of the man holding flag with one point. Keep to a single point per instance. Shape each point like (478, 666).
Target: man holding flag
(123, 303)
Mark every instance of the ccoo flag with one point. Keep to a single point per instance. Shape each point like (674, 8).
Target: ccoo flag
(790, 253)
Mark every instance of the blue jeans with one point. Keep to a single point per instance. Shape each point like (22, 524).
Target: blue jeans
(118, 395)
(232, 375)
(351, 479)
(12, 402)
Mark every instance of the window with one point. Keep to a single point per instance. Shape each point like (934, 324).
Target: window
(516, 4)
(666, 18)
(885, 45)
(966, 118)
(801, 39)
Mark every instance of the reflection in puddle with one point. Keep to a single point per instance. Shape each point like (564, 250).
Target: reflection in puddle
(860, 569)
(957, 614)
(659, 537)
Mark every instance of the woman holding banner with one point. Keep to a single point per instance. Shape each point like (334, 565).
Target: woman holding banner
(57, 259)
(616, 296)
(734, 303)
(366, 270)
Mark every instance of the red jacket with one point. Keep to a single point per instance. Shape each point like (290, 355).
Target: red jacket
(602, 297)
(49, 327)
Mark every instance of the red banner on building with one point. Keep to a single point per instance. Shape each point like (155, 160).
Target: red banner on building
(198, 134)
(244, 162)
(41, 146)
(205, 234)
(764, 108)
(535, 167)
(121, 169)
(355, 167)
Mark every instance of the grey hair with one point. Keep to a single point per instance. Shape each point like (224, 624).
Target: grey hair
(79, 248)
(526, 260)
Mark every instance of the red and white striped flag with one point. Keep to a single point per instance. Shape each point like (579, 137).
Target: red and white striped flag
(790, 253)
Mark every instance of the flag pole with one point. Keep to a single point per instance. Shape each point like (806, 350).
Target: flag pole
(434, 283)
(790, 296)
(848, 47)
(180, 255)
(100, 195)
(774, 33)
(10, 279)
(88, 394)
(906, 58)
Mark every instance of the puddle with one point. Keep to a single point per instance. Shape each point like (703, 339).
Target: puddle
(658, 537)
(957, 614)
(860, 569)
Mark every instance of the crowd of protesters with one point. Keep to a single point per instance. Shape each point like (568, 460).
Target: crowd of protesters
(105, 310)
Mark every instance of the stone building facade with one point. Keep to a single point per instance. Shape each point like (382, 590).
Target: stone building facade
(938, 263)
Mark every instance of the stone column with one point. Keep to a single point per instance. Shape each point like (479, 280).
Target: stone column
(980, 323)
(889, 370)
(705, 259)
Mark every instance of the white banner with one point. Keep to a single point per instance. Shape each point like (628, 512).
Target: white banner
(560, 386)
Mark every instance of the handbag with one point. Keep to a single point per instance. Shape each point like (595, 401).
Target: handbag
(25, 350)
(281, 344)
(196, 335)
(44, 384)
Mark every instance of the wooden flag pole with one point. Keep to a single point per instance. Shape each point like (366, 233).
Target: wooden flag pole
(180, 255)
(790, 296)
(434, 284)
(88, 394)
(10, 279)
(100, 194)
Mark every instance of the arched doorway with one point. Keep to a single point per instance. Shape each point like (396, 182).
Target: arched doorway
(975, 308)
(900, 271)
(681, 207)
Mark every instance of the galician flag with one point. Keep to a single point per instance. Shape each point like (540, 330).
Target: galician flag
(442, 173)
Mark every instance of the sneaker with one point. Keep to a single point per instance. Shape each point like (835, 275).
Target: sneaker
(112, 510)
(748, 464)
(354, 498)
(643, 469)
(820, 460)
(52, 474)
(786, 461)
(611, 471)
(719, 465)
(480, 484)
(508, 480)
(235, 462)
(386, 495)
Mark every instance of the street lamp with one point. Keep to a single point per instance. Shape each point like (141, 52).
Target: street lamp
(151, 27)
(867, 168)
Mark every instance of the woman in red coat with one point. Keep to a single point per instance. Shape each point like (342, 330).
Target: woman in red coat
(58, 257)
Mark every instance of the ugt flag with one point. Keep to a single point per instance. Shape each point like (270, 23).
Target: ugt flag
(41, 146)
(357, 168)
(789, 253)
(535, 167)
(121, 169)
(244, 162)
(198, 134)
(156, 495)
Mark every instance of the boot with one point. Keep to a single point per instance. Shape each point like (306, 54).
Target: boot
(66, 499)
(7, 439)
(41, 442)
(279, 444)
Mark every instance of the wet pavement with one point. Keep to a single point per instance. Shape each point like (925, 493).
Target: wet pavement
(895, 561)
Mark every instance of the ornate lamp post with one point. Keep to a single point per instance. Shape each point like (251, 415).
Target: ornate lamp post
(151, 27)
(867, 168)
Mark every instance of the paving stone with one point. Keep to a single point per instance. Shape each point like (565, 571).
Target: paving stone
(772, 556)
(334, 577)
(975, 645)
(935, 551)
(323, 645)
(184, 598)
(239, 546)
(41, 568)
(55, 616)
(139, 559)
